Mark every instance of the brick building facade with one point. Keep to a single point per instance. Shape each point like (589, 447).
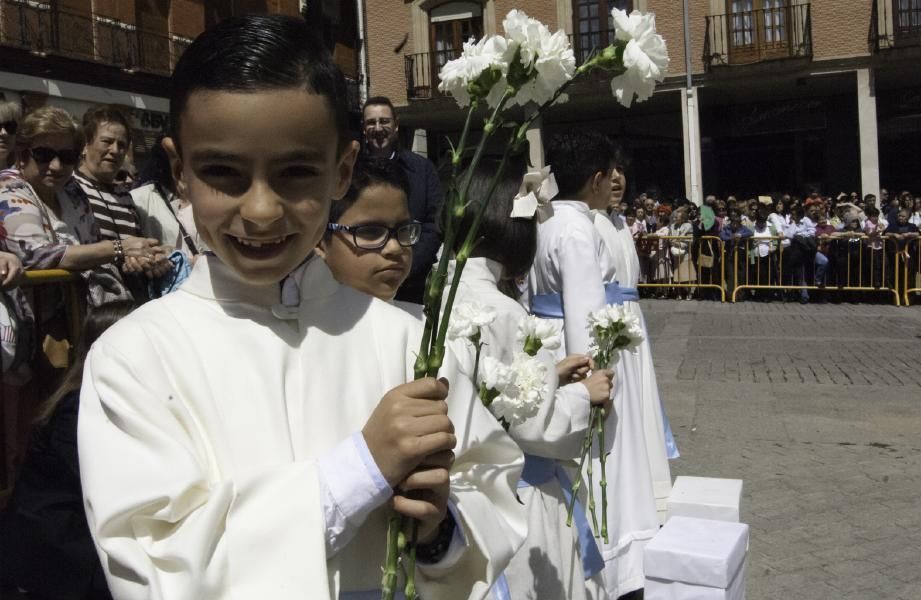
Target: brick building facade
(78, 53)
(780, 96)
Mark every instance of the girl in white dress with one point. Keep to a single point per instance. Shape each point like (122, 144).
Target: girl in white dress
(554, 562)
(237, 444)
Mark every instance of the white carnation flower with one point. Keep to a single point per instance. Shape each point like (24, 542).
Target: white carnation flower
(483, 63)
(519, 402)
(645, 56)
(547, 56)
(534, 330)
(468, 318)
(496, 375)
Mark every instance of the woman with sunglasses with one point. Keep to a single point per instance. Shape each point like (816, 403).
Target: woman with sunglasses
(33, 210)
(10, 113)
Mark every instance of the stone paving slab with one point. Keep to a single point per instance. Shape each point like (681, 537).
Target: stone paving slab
(818, 409)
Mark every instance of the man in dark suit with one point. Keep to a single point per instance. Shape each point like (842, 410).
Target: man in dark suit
(381, 129)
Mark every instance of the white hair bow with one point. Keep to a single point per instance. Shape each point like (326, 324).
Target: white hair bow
(537, 189)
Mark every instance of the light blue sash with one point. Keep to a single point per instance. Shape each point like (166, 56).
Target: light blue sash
(539, 470)
(671, 448)
(550, 306)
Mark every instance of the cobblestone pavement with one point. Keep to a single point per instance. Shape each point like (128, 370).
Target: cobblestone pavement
(818, 409)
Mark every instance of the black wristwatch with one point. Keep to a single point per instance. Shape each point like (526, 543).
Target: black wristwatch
(434, 551)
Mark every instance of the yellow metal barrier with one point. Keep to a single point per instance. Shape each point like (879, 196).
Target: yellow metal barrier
(682, 262)
(910, 256)
(845, 262)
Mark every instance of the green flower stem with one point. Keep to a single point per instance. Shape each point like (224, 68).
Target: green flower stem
(591, 496)
(410, 589)
(476, 362)
(389, 579)
(577, 484)
(431, 355)
(467, 247)
(602, 415)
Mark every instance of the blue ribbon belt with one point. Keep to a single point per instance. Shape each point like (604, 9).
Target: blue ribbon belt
(500, 590)
(550, 306)
(671, 448)
(539, 470)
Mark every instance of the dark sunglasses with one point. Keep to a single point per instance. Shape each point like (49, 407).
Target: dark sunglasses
(11, 127)
(45, 155)
(375, 237)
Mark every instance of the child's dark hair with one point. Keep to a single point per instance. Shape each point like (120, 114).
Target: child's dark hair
(258, 52)
(369, 171)
(94, 325)
(576, 156)
(510, 242)
(871, 211)
(157, 171)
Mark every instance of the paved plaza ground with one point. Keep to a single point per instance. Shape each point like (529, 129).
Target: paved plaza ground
(818, 409)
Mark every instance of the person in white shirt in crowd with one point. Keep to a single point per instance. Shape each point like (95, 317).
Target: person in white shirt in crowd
(238, 443)
(799, 257)
(163, 214)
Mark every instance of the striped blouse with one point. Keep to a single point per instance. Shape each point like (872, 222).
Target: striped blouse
(115, 213)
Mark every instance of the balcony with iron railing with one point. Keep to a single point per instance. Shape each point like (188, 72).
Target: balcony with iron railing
(44, 30)
(894, 24)
(754, 36)
(422, 68)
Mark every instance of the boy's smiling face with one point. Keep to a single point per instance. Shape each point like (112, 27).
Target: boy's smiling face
(260, 169)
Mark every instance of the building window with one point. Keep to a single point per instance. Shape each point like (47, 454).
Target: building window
(592, 24)
(758, 25)
(450, 25)
(907, 20)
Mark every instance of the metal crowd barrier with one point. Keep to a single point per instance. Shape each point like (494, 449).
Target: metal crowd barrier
(910, 257)
(857, 263)
(762, 265)
(682, 262)
(19, 399)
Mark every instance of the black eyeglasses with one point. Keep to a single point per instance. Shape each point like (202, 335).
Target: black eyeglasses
(45, 155)
(375, 237)
(10, 126)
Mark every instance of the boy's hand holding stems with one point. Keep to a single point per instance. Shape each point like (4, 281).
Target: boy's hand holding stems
(411, 439)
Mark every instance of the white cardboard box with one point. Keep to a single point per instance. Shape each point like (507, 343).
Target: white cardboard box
(706, 498)
(696, 559)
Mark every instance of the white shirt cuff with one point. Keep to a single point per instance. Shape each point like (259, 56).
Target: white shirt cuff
(352, 487)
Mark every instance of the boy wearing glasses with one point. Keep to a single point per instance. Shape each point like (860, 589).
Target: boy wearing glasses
(381, 129)
(370, 237)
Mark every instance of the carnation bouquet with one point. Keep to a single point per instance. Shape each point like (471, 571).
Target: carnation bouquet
(527, 66)
(613, 329)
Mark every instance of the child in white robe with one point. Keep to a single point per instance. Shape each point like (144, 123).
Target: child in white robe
(574, 275)
(660, 445)
(556, 560)
(236, 446)
(639, 443)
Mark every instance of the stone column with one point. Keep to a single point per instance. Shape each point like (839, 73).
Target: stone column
(869, 142)
(690, 119)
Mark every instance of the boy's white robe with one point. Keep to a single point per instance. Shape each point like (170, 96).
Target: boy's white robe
(632, 516)
(617, 236)
(548, 565)
(202, 416)
(572, 260)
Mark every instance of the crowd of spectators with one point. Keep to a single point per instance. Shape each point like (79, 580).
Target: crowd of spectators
(843, 241)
